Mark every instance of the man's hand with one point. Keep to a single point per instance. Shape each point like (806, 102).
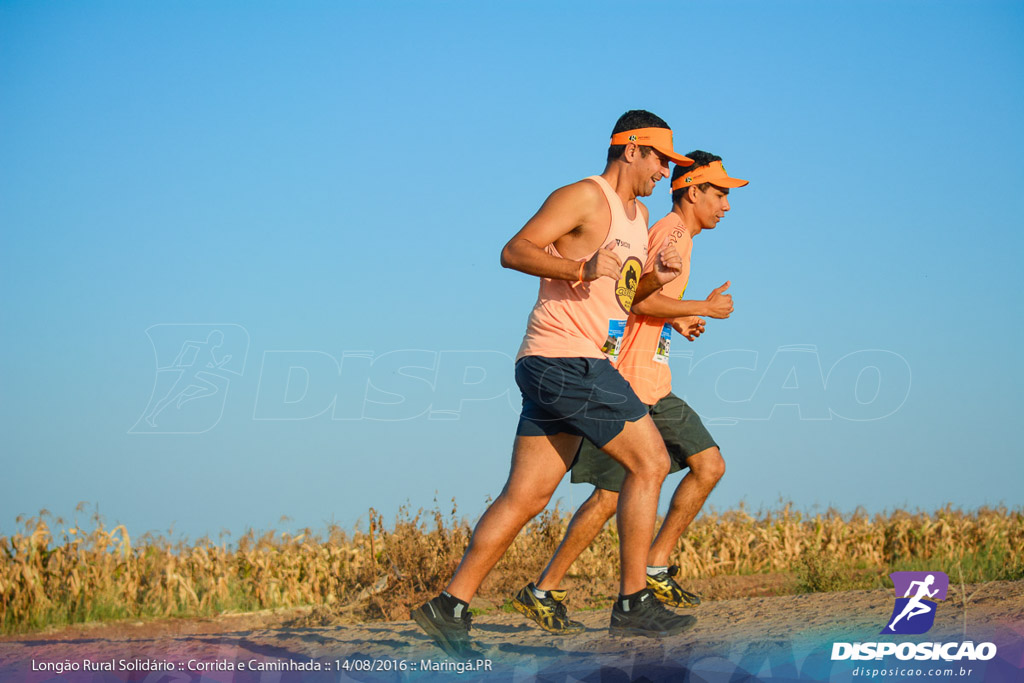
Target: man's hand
(604, 263)
(669, 264)
(719, 305)
(690, 327)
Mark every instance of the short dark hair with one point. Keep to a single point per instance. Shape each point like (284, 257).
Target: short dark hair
(700, 158)
(631, 120)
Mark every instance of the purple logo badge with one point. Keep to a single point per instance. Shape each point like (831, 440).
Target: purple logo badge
(917, 594)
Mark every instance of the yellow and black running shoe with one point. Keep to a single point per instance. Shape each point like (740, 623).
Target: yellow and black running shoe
(549, 612)
(668, 591)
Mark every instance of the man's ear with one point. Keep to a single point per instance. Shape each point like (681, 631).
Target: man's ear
(631, 153)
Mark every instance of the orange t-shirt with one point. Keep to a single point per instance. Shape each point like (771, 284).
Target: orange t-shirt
(587, 319)
(643, 357)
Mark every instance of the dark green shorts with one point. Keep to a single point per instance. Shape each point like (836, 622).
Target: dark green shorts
(680, 427)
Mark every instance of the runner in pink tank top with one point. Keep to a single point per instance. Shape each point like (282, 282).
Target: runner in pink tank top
(576, 319)
(587, 245)
(699, 201)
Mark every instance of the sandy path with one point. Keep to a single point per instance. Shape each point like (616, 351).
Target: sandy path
(777, 638)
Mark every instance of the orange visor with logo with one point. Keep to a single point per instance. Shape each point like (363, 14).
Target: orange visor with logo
(713, 173)
(658, 138)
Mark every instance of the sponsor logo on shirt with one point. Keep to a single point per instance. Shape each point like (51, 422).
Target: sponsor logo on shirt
(629, 276)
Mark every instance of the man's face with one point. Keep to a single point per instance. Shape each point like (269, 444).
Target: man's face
(711, 206)
(651, 169)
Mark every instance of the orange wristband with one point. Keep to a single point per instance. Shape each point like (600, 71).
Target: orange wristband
(582, 264)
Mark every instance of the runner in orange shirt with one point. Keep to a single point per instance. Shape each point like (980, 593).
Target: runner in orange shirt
(588, 244)
(699, 201)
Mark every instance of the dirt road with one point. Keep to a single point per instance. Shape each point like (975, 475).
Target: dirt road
(764, 638)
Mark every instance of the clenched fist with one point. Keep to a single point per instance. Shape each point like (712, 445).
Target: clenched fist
(604, 263)
(669, 264)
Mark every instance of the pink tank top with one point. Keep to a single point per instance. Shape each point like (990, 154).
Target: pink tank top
(587, 320)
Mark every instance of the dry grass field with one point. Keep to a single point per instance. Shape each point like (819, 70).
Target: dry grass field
(53, 573)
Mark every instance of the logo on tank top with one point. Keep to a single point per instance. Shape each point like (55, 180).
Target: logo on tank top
(625, 289)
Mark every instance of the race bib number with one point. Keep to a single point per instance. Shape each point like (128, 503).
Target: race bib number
(616, 328)
(661, 353)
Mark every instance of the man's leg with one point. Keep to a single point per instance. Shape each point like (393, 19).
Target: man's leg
(706, 469)
(584, 527)
(538, 464)
(641, 452)
(543, 602)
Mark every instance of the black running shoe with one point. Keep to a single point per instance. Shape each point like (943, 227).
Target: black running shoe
(449, 632)
(668, 591)
(648, 617)
(549, 612)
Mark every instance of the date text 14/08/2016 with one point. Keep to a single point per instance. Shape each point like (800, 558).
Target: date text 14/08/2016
(407, 665)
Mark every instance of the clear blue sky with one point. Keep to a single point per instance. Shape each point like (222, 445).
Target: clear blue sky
(328, 183)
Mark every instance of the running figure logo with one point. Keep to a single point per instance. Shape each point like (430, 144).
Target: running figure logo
(916, 596)
(194, 365)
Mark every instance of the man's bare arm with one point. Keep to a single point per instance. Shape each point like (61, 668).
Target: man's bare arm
(657, 305)
(566, 209)
(668, 265)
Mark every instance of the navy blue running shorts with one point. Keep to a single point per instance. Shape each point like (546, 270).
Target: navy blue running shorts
(582, 396)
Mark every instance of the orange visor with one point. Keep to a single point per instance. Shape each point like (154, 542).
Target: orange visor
(658, 138)
(713, 173)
